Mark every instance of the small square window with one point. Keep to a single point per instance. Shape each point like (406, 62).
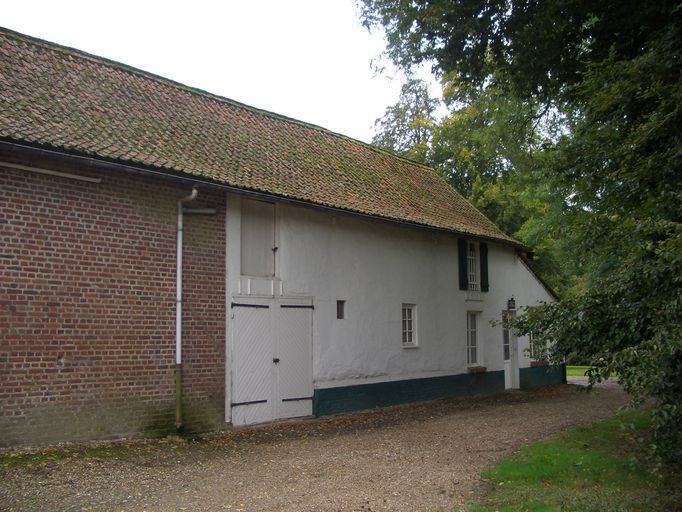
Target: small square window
(340, 309)
(409, 325)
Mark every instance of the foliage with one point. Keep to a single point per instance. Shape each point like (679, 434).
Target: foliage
(486, 135)
(406, 127)
(596, 467)
(629, 325)
(541, 47)
(489, 148)
(609, 172)
(576, 371)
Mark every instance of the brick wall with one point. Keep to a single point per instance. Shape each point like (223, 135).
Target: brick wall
(87, 308)
(204, 314)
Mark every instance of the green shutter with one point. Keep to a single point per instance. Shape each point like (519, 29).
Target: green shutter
(483, 251)
(462, 249)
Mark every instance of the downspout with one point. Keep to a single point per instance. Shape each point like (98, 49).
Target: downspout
(178, 312)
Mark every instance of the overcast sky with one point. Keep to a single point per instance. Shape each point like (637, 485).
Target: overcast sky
(306, 59)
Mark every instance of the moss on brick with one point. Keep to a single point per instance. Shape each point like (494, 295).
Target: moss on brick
(203, 415)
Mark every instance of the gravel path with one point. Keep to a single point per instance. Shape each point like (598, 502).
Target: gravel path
(419, 457)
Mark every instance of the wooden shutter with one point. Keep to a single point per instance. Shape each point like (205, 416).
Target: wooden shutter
(257, 238)
(462, 250)
(483, 253)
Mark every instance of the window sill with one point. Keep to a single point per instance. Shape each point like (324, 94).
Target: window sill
(410, 346)
(474, 296)
(477, 369)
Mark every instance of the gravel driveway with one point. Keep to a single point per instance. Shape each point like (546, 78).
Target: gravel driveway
(414, 458)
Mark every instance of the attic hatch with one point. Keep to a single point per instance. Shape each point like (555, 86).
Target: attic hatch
(258, 238)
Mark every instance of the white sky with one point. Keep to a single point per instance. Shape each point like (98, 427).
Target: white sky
(306, 59)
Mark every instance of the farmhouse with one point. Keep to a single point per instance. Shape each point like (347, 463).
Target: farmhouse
(174, 259)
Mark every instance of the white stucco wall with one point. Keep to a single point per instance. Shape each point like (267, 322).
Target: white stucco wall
(376, 267)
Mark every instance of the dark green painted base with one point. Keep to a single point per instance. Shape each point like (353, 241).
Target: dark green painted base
(382, 394)
(542, 376)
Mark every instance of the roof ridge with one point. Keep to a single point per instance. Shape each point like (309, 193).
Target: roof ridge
(201, 92)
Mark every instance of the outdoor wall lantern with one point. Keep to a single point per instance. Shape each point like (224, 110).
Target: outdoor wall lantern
(511, 304)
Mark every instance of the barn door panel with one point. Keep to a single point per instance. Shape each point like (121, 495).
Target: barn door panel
(295, 366)
(252, 366)
(257, 238)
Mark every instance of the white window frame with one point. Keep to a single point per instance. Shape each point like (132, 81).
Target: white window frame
(408, 324)
(506, 345)
(532, 351)
(473, 267)
(474, 356)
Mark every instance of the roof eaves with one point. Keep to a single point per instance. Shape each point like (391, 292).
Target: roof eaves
(19, 149)
(531, 269)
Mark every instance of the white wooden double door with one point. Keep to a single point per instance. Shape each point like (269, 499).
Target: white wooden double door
(272, 364)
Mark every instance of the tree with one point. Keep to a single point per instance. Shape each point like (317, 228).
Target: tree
(541, 46)
(613, 71)
(407, 126)
(488, 147)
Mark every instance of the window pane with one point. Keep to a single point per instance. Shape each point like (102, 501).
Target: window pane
(472, 338)
(472, 355)
(472, 267)
(408, 324)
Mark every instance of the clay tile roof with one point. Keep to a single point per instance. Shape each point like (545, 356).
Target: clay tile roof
(66, 100)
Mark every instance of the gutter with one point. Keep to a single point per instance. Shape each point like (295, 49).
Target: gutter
(178, 310)
(181, 210)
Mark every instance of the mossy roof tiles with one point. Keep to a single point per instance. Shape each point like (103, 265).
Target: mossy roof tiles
(63, 99)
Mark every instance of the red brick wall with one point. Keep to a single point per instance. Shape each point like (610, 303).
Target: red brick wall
(87, 308)
(204, 314)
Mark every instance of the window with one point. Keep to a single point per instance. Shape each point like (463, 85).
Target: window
(340, 309)
(473, 266)
(505, 344)
(506, 347)
(473, 274)
(409, 325)
(532, 349)
(472, 338)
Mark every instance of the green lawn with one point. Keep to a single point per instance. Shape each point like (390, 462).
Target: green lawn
(591, 468)
(576, 371)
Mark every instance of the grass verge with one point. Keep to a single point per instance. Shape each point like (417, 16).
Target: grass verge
(597, 467)
(576, 371)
